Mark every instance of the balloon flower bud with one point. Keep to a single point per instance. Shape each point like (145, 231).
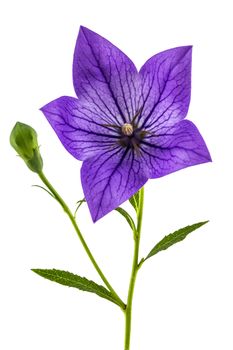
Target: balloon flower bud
(23, 139)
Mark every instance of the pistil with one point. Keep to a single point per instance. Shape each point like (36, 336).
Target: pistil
(127, 129)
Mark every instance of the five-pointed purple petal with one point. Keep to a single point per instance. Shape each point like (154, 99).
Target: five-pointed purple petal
(110, 178)
(180, 147)
(81, 130)
(105, 77)
(126, 126)
(166, 88)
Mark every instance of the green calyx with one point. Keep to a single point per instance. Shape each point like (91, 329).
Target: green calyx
(23, 139)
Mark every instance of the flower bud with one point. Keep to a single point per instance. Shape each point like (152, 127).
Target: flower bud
(23, 139)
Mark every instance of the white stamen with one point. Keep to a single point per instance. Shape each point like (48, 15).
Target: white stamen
(127, 129)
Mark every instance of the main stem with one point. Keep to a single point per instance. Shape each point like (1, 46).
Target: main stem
(135, 267)
(84, 244)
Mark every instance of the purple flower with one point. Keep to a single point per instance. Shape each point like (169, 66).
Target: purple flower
(126, 126)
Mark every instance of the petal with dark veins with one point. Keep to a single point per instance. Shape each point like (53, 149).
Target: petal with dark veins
(166, 88)
(80, 129)
(182, 146)
(111, 178)
(105, 76)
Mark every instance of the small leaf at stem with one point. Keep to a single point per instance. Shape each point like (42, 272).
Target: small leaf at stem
(69, 279)
(79, 203)
(43, 188)
(173, 238)
(134, 201)
(128, 218)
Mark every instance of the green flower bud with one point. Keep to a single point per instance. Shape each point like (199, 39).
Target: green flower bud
(23, 139)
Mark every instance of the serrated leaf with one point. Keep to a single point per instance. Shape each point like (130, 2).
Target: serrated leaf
(173, 238)
(71, 280)
(134, 201)
(128, 218)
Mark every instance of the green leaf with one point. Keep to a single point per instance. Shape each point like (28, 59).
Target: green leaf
(128, 218)
(173, 238)
(134, 201)
(75, 281)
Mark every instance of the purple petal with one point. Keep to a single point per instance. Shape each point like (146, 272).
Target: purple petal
(105, 76)
(166, 87)
(109, 179)
(181, 147)
(77, 128)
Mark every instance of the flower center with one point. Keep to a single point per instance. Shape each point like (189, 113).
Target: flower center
(127, 129)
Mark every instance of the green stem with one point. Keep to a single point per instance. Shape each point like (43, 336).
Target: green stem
(84, 244)
(135, 268)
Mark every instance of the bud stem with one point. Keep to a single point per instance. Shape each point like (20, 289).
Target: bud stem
(84, 244)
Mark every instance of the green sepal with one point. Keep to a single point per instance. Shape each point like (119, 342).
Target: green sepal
(128, 217)
(174, 238)
(134, 201)
(69, 279)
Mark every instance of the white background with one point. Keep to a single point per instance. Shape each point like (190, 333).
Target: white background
(183, 297)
